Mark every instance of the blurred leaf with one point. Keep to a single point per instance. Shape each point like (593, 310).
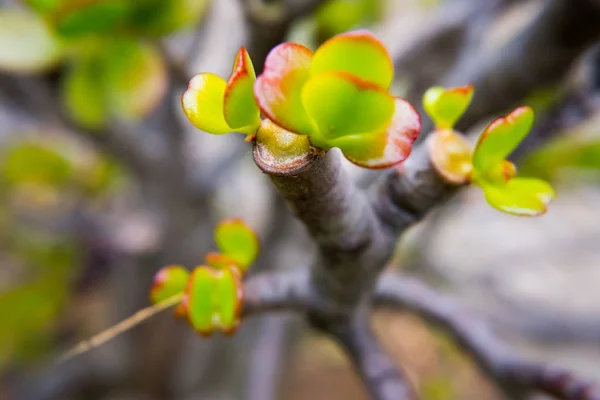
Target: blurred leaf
(212, 300)
(83, 94)
(237, 240)
(220, 261)
(168, 282)
(26, 43)
(571, 152)
(84, 17)
(135, 78)
(337, 16)
(446, 106)
(437, 388)
(44, 6)
(160, 17)
(451, 155)
(32, 162)
(520, 196)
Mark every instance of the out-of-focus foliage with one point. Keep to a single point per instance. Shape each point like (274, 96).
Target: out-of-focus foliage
(337, 16)
(35, 295)
(566, 157)
(125, 78)
(28, 44)
(41, 178)
(114, 70)
(212, 293)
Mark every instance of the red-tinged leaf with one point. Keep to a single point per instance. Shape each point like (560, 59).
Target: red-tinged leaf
(180, 311)
(446, 106)
(203, 103)
(277, 90)
(500, 138)
(357, 52)
(385, 148)
(340, 104)
(451, 155)
(238, 241)
(520, 196)
(239, 108)
(168, 282)
(220, 261)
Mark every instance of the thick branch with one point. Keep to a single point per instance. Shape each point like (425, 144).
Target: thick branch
(269, 23)
(352, 246)
(514, 374)
(403, 197)
(383, 379)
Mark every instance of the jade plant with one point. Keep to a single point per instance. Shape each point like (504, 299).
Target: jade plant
(303, 105)
(211, 295)
(485, 164)
(337, 96)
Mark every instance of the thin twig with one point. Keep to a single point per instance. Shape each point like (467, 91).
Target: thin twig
(121, 327)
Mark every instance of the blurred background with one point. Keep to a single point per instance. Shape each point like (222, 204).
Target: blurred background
(103, 181)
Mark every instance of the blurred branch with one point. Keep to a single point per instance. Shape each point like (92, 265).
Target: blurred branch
(515, 375)
(279, 291)
(270, 22)
(403, 197)
(383, 379)
(432, 49)
(539, 56)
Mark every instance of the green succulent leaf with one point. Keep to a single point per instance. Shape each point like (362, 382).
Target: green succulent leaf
(520, 196)
(341, 104)
(135, 78)
(500, 138)
(220, 261)
(446, 106)
(358, 53)
(238, 241)
(83, 94)
(239, 108)
(27, 44)
(212, 300)
(168, 281)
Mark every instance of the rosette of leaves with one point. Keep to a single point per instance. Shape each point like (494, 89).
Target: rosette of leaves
(484, 164)
(335, 97)
(212, 293)
(113, 70)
